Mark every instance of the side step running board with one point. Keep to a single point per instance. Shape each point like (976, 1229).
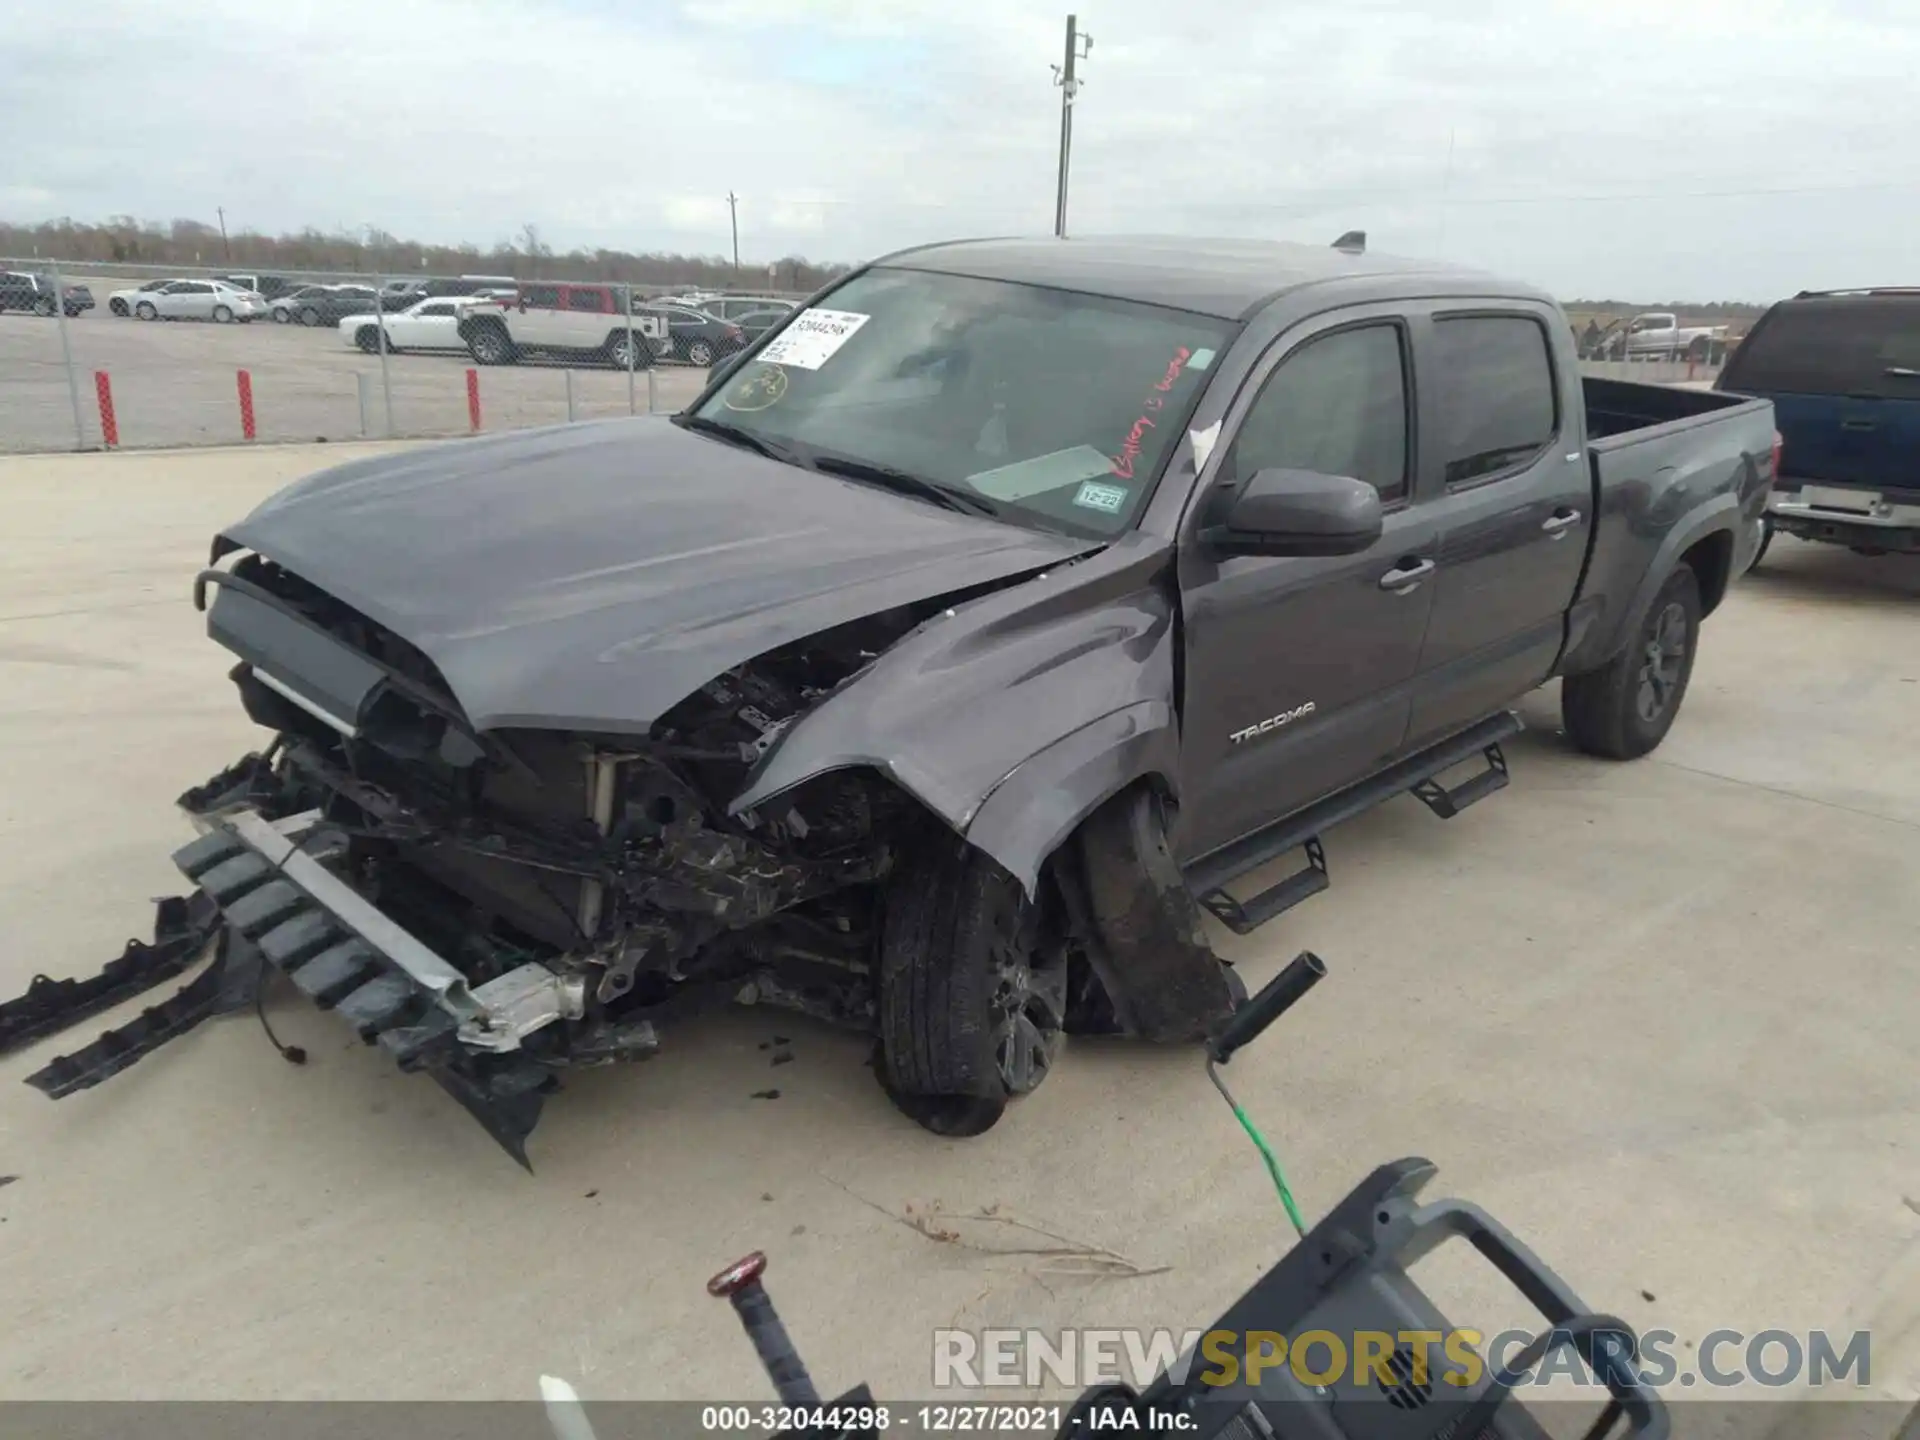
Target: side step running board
(1208, 877)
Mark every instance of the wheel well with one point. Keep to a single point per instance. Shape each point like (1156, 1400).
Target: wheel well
(1712, 562)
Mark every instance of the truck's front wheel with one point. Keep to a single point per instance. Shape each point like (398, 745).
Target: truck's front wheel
(490, 345)
(972, 991)
(1624, 709)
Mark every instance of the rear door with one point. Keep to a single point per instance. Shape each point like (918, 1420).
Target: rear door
(188, 300)
(589, 315)
(1297, 670)
(1843, 372)
(539, 320)
(1507, 463)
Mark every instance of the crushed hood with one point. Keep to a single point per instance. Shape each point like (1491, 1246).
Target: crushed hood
(590, 577)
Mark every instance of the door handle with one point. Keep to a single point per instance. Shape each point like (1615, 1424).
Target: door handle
(1859, 425)
(1561, 521)
(1405, 575)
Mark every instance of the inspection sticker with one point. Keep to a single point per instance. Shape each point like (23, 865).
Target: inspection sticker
(812, 338)
(1109, 498)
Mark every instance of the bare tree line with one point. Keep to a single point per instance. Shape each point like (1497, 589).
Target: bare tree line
(124, 240)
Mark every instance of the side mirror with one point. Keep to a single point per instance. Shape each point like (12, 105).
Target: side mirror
(1297, 512)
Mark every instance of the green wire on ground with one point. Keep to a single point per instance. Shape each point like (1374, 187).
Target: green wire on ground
(1273, 1169)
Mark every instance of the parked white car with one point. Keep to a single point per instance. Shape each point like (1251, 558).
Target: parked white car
(190, 300)
(426, 325)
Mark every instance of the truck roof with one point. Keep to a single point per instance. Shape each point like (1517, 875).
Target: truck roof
(1227, 279)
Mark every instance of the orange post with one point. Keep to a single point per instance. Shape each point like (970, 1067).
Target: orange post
(109, 429)
(473, 400)
(245, 382)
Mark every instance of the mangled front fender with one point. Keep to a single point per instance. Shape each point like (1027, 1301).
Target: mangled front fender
(1015, 715)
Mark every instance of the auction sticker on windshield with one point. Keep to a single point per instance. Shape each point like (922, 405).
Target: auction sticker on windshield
(1110, 498)
(812, 338)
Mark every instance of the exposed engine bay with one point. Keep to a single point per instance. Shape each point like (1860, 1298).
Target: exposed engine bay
(611, 860)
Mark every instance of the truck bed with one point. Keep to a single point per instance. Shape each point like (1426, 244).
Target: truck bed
(1618, 408)
(1659, 453)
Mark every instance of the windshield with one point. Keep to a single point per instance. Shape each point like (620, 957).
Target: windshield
(1057, 409)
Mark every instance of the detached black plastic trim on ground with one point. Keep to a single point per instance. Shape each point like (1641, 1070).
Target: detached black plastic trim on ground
(153, 1027)
(181, 930)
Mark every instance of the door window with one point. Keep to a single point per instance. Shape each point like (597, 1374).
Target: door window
(587, 299)
(540, 297)
(1338, 406)
(1497, 401)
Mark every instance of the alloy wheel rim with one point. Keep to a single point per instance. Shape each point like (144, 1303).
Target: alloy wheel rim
(1663, 660)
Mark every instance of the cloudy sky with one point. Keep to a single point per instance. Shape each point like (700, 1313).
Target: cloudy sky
(1642, 149)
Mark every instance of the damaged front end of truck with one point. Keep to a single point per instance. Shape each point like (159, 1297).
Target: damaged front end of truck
(495, 909)
(521, 813)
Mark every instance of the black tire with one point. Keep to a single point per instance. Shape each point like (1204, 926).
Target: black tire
(43, 307)
(309, 315)
(972, 994)
(700, 352)
(280, 315)
(1624, 709)
(489, 344)
(145, 311)
(1699, 348)
(118, 307)
(368, 339)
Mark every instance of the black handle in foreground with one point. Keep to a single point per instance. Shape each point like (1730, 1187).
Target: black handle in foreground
(1275, 998)
(740, 1283)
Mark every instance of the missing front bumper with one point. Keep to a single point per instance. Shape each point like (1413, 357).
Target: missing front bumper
(269, 902)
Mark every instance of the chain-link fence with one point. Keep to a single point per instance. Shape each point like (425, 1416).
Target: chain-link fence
(106, 355)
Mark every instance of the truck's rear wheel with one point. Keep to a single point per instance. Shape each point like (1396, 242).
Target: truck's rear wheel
(972, 991)
(1624, 709)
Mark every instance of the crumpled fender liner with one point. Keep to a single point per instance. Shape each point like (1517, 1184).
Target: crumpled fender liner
(1146, 937)
(181, 930)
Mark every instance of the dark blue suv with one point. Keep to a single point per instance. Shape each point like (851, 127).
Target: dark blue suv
(1842, 369)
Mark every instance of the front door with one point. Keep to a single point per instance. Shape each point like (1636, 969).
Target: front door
(1515, 510)
(1297, 670)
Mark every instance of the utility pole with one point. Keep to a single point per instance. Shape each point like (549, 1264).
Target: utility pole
(225, 248)
(1078, 48)
(733, 209)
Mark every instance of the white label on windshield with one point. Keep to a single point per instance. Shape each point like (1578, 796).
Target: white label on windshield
(1109, 498)
(811, 338)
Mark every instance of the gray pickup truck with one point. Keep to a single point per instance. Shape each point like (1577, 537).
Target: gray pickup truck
(969, 636)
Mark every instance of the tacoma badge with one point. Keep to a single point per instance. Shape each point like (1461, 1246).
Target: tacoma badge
(1271, 723)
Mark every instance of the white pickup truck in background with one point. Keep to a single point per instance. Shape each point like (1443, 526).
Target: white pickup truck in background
(573, 322)
(1659, 335)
